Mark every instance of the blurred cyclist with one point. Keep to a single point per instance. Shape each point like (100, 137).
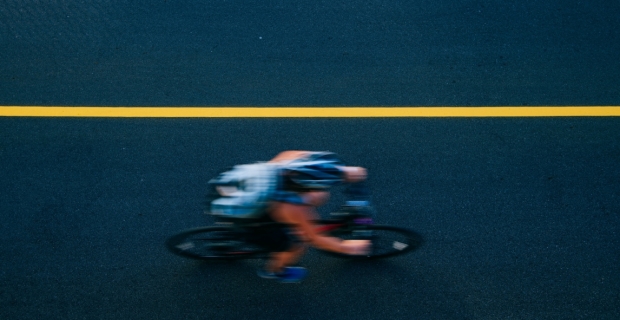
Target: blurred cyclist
(303, 185)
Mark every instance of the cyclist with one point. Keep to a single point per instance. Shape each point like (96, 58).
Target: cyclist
(303, 185)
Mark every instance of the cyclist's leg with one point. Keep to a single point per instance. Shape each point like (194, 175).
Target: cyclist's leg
(302, 217)
(285, 246)
(279, 260)
(291, 203)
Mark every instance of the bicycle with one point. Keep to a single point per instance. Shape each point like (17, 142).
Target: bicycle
(235, 238)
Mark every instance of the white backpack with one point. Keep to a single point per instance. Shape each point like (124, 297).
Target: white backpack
(245, 190)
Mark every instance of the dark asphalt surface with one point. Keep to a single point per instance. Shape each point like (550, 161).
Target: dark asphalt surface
(361, 52)
(521, 216)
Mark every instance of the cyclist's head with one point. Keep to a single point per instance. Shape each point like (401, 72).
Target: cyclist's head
(317, 171)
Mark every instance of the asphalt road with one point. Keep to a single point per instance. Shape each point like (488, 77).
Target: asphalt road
(520, 214)
(362, 52)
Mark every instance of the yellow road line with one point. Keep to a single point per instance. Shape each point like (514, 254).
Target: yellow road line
(308, 112)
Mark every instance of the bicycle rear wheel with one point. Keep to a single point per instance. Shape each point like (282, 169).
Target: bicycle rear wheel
(213, 243)
(387, 241)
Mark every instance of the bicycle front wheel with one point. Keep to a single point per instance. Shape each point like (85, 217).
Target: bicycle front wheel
(213, 243)
(386, 241)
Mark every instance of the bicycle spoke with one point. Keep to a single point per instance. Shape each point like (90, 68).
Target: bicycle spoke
(211, 243)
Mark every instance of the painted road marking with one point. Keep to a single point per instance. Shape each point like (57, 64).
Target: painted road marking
(309, 112)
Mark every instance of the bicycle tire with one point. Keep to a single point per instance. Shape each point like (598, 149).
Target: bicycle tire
(387, 241)
(213, 243)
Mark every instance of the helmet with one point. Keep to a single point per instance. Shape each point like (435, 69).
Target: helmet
(317, 170)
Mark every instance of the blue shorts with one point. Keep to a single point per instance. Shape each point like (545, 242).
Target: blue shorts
(291, 197)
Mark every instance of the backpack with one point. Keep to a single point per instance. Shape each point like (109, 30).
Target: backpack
(245, 190)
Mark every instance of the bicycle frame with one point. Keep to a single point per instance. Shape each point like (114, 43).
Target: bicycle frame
(228, 240)
(339, 222)
(330, 225)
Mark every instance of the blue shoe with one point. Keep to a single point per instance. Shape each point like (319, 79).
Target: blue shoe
(289, 275)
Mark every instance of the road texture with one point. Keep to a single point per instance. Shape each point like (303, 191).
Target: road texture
(520, 214)
(276, 52)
